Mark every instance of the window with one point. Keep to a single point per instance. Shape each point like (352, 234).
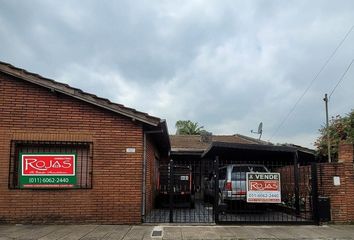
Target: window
(82, 150)
(239, 173)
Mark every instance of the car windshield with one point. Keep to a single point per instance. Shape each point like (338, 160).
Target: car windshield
(239, 172)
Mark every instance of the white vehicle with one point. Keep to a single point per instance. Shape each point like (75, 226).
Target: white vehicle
(232, 182)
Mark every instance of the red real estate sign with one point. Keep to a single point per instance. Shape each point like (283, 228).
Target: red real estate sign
(52, 170)
(263, 188)
(264, 185)
(42, 165)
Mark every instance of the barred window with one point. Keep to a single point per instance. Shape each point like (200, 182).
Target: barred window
(82, 150)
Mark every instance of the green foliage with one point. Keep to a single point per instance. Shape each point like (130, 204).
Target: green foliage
(340, 129)
(187, 127)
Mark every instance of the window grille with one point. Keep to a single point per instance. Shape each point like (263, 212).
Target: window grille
(83, 151)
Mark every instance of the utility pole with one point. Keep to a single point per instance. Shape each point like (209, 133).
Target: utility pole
(327, 127)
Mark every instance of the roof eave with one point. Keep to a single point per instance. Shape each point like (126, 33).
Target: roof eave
(72, 92)
(186, 152)
(254, 147)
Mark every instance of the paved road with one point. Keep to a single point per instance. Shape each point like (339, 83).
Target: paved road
(92, 232)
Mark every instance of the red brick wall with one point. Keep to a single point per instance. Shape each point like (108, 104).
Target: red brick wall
(341, 197)
(31, 112)
(150, 174)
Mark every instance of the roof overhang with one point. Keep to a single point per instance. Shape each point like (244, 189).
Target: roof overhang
(227, 149)
(78, 94)
(187, 152)
(257, 152)
(160, 135)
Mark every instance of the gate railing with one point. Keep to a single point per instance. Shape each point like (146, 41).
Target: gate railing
(299, 196)
(299, 203)
(314, 193)
(182, 200)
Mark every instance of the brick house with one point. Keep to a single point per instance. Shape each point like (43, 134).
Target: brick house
(117, 150)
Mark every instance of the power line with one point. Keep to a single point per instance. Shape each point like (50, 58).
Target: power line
(326, 99)
(312, 81)
(341, 78)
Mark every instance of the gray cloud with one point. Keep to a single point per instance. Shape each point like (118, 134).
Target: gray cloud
(226, 64)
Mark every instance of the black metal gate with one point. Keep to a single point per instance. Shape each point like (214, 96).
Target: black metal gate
(180, 194)
(298, 193)
(195, 190)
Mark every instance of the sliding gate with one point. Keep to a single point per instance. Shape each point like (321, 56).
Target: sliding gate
(215, 191)
(266, 192)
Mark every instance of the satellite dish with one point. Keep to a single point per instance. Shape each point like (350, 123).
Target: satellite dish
(260, 130)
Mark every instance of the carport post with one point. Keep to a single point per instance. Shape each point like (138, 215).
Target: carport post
(171, 190)
(296, 185)
(216, 189)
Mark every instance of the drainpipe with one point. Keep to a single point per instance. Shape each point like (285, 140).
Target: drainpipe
(144, 180)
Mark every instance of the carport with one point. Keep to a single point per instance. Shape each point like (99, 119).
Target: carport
(298, 183)
(297, 193)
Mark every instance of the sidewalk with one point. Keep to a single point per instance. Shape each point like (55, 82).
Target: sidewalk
(117, 232)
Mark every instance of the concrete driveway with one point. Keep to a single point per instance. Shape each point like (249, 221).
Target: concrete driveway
(48, 232)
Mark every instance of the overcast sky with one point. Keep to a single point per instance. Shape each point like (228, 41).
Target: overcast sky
(227, 65)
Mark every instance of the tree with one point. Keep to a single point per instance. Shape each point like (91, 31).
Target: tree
(187, 127)
(340, 129)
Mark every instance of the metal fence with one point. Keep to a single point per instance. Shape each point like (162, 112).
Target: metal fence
(180, 193)
(291, 202)
(215, 191)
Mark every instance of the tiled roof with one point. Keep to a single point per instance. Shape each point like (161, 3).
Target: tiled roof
(194, 142)
(78, 94)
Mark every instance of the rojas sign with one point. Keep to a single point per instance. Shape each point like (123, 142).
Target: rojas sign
(47, 170)
(263, 187)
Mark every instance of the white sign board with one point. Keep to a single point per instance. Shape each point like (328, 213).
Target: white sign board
(336, 181)
(263, 187)
(130, 150)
